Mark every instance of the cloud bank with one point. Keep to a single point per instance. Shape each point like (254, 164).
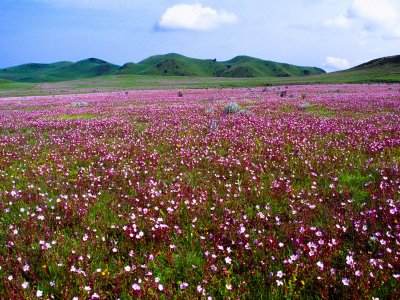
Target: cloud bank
(381, 17)
(341, 21)
(194, 17)
(336, 63)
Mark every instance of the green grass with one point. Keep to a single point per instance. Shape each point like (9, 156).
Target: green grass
(354, 183)
(320, 111)
(7, 86)
(76, 117)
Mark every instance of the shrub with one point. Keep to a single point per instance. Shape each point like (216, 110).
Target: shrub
(79, 103)
(305, 105)
(231, 108)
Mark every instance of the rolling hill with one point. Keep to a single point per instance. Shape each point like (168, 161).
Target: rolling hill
(241, 66)
(59, 71)
(388, 63)
(247, 66)
(165, 65)
(177, 70)
(384, 69)
(172, 65)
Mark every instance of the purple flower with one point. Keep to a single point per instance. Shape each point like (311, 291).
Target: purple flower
(184, 285)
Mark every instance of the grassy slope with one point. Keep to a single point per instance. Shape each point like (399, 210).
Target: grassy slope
(84, 69)
(389, 63)
(253, 67)
(166, 65)
(59, 71)
(240, 66)
(172, 65)
(32, 71)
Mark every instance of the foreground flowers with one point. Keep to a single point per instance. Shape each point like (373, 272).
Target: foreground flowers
(151, 195)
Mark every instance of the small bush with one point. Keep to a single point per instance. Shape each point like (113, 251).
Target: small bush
(231, 108)
(79, 103)
(305, 105)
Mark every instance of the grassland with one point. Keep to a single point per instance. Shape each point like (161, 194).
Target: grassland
(120, 83)
(153, 195)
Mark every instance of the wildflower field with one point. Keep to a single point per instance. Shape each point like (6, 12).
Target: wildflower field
(279, 192)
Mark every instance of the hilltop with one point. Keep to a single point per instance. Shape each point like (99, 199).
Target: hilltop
(388, 62)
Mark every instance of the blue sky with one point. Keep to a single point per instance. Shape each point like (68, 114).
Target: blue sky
(332, 34)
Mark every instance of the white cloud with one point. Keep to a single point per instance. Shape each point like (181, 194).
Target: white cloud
(336, 63)
(379, 16)
(341, 21)
(194, 17)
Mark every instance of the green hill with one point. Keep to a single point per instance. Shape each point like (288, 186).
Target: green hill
(173, 65)
(241, 66)
(389, 63)
(32, 71)
(163, 65)
(59, 71)
(246, 66)
(91, 67)
(384, 69)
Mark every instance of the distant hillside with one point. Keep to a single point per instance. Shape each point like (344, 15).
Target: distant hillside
(59, 71)
(166, 65)
(172, 65)
(384, 69)
(246, 66)
(241, 66)
(388, 62)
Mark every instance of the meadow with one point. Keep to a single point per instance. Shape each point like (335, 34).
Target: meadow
(162, 194)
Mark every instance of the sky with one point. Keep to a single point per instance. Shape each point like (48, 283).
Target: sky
(330, 34)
